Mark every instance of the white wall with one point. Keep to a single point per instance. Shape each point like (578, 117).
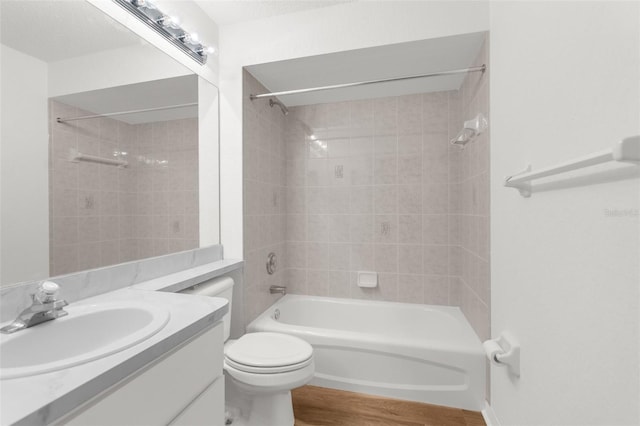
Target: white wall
(192, 19)
(24, 168)
(331, 29)
(155, 60)
(565, 276)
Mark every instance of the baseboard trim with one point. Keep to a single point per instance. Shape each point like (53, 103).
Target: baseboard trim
(489, 415)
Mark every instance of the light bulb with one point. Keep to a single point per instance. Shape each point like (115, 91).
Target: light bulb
(144, 3)
(168, 21)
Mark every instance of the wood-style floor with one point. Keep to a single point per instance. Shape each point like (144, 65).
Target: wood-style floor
(315, 406)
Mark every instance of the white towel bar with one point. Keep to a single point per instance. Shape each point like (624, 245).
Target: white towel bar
(626, 150)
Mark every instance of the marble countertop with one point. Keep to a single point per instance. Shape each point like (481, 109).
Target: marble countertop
(44, 398)
(181, 280)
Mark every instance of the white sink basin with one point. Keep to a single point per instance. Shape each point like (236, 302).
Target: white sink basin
(89, 332)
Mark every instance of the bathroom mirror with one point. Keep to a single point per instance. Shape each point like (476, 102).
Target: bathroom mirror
(104, 138)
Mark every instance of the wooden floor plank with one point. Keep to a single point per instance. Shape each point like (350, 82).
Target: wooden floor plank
(473, 418)
(328, 417)
(316, 406)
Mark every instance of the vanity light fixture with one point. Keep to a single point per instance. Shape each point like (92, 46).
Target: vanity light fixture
(168, 27)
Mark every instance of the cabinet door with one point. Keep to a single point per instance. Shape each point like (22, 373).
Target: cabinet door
(207, 409)
(157, 393)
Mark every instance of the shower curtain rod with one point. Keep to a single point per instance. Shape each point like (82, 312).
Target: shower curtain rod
(134, 111)
(481, 68)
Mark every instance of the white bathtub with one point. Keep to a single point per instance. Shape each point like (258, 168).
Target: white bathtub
(414, 352)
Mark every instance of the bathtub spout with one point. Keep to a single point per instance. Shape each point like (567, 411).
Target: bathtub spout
(278, 289)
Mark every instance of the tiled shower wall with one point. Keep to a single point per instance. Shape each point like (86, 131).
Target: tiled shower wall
(470, 214)
(368, 189)
(370, 185)
(101, 214)
(264, 197)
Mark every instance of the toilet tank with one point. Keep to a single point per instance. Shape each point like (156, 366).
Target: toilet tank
(217, 287)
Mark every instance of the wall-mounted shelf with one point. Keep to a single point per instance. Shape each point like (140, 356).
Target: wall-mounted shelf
(76, 156)
(626, 150)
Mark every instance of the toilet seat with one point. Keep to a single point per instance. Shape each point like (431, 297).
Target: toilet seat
(269, 353)
(267, 370)
(255, 383)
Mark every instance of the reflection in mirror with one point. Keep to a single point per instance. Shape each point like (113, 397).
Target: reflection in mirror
(136, 194)
(101, 135)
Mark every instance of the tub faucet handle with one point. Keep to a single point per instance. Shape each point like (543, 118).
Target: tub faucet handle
(272, 263)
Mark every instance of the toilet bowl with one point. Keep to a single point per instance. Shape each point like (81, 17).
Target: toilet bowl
(260, 368)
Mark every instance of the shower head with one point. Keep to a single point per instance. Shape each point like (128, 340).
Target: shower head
(283, 108)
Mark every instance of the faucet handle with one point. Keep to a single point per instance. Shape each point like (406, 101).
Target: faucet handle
(47, 292)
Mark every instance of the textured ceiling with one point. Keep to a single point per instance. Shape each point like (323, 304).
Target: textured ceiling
(225, 12)
(53, 30)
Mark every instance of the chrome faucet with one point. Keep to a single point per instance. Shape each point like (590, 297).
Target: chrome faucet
(45, 307)
(278, 289)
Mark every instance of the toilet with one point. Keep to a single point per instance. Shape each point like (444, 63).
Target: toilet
(260, 368)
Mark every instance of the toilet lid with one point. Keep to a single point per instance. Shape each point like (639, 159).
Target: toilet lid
(265, 350)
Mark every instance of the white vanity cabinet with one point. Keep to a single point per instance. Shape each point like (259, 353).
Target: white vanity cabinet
(183, 387)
